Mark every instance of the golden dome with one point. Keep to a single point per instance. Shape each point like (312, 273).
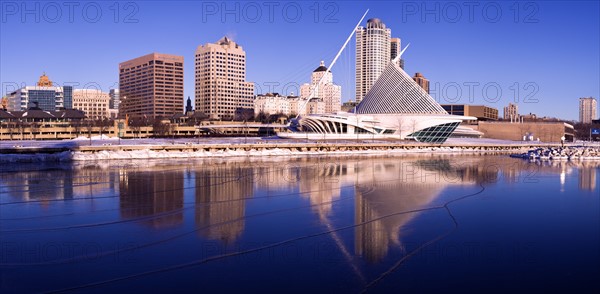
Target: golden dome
(44, 81)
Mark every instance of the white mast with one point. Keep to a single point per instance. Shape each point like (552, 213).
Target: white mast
(400, 54)
(312, 93)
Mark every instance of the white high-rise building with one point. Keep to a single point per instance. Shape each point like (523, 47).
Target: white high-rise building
(221, 87)
(588, 110)
(327, 91)
(373, 53)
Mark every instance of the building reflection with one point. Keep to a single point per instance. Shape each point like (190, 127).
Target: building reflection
(39, 185)
(92, 180)
(587, 177)
(46, 183)
(150, 192)
(321, 184)
(386, 188)
(221, 192)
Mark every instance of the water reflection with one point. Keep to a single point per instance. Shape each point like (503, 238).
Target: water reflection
(152, 193)
(45, 182)
(245, 202)
(221, 191)
(587, 177)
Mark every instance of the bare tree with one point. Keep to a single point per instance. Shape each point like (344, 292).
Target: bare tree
(103, 124)
(89, 127)
(400, 125)
(34, 129)
(262, 117)
(21, 125)
(413, 124)
(76, 125)
(159, 128)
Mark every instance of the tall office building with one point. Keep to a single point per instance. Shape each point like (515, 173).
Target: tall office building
(422, 81)
(151, 85)
(45, 96)
(588, 110)
(330, 93)
(374, 49)
(221, 87)
(511, 112)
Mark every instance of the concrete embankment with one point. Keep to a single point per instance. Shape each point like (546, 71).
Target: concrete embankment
(292, 146)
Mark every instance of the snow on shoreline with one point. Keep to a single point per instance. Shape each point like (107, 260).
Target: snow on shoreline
(469, 146)
(150, 154)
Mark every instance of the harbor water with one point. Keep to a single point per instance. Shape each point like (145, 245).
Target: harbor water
(408, 223)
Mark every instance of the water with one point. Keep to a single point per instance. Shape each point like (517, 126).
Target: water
(336, 225)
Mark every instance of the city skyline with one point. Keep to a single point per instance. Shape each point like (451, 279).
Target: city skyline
(509, 53)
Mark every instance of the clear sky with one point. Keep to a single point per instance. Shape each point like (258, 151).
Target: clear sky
(542, 55)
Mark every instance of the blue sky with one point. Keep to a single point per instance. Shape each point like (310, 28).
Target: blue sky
(472, 52)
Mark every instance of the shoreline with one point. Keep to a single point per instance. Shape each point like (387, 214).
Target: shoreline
(71, 151)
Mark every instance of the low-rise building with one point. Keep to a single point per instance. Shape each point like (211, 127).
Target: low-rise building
(481, 112)
(528, 131)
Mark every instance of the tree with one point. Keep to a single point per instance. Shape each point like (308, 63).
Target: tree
(400, 127)
(136, 125)
(21, 125)
(76, 125)
(34, 129)
(159, 128)
(262, 117)
(89, 127)
(103, 124)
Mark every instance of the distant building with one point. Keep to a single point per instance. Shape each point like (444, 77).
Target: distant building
(44, 81)
(4, 103)
(114, 99)
(114, 103)
(348, 106)
(511, 112)
(221, 87)
(45, 95)
(327, 91)
(272, 103)
(373, 53)
(481, 112)
(422, 81)
(151, 85)
(395, 49)
(94, 103)
(588, 110)
(315, 106)
(544, 131)
(188, 106)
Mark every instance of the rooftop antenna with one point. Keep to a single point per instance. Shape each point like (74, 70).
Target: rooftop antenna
(312, 93)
